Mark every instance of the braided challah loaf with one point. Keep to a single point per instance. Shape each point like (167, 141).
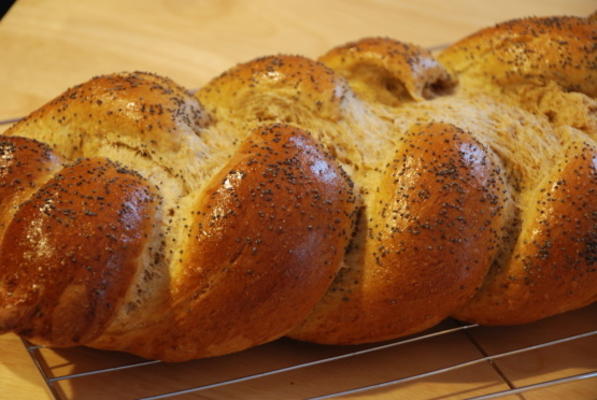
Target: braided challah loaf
(357, 198)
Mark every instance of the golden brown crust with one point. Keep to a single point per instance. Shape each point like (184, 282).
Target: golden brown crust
(250, 226)
(389, 71)
(538, 62)
(69, 253)
(553, 267)
(24, 165)
(305, 81)
(435, 227)
(530, 50)
(267, 237)
(144, 114)
(293, 90)
(139, 102)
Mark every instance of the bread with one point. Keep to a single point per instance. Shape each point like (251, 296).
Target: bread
(215, 244)
(358, 198)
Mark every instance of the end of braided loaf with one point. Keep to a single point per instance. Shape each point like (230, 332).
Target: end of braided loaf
(160, 262)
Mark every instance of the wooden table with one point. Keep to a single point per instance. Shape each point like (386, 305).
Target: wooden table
(47, 46)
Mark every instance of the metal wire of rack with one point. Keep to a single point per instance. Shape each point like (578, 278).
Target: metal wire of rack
(51, 380)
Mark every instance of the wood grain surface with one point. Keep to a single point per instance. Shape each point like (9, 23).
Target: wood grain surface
(49, 45)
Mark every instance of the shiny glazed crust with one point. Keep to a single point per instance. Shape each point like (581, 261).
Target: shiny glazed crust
(25, 165)
(552, 268)
(387, 70)
(313, 85)
(70, 251)
(161, 263)
(435, 226)
(530, 50)
(358, 198)
(265, 240)
(141, 116)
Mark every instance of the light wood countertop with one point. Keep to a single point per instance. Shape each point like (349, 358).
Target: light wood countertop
(49, 45)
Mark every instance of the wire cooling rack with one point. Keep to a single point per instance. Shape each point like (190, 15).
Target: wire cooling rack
(290, 357)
